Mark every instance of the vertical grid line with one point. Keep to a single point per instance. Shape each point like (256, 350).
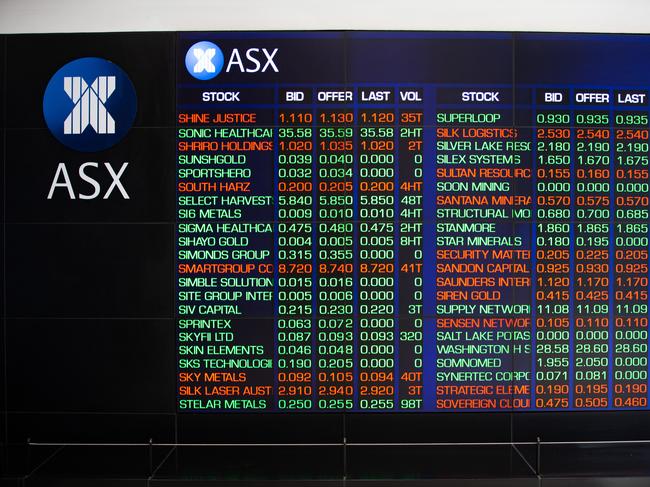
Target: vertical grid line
(4, 244)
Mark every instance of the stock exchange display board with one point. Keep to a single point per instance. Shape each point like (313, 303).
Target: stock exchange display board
(377, 221)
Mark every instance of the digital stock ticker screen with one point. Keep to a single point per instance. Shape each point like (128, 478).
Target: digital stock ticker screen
(416, 222)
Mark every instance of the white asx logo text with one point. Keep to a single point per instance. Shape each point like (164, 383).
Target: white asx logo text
(62, 181)
(251, 63)
(204, 60)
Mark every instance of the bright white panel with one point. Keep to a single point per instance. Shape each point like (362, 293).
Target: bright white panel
(144, 15)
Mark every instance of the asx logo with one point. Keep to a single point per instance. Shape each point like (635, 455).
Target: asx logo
(89, 108)
(89, 105)
(205, 60)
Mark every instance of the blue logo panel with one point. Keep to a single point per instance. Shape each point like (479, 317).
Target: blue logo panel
(89, 104)
(204, 60)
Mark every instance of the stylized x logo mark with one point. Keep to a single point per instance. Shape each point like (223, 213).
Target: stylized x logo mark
(89, 106)
(204, 60)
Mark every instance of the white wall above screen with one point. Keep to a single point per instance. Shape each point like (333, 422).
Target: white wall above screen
(23, 16)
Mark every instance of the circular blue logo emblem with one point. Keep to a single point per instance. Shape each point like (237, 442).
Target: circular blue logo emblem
(204, 60)
(89, 104)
